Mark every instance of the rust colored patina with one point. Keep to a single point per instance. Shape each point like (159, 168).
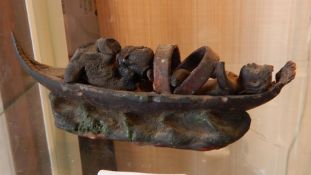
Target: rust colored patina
(201, 64)
(166, 60)
(195, 104)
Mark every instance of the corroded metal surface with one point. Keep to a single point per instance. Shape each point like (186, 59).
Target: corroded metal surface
(201, 63)
(193, 129)
(166, 59)
(200, 122)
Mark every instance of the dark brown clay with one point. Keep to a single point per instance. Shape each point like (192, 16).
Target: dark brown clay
(197, 122)
(135, 63)
(97, 66)
(254, 78)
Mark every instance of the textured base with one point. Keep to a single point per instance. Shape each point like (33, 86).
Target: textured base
(195, 129)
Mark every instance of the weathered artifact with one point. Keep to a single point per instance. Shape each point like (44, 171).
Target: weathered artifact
(137, 95)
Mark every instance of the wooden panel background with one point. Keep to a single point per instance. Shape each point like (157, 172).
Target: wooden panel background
(258, 30)
(241, 32)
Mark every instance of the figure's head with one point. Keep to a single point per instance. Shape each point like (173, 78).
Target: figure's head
(255, 78)
(137, 59)
(108, 46)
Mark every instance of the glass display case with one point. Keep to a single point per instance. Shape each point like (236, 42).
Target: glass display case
(241, 32)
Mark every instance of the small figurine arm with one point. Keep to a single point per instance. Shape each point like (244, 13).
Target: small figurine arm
(227, 81)
(73, 71)
(222, 83)
(253, 79)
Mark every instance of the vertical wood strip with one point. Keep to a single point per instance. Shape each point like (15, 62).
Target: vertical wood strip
(96, 155)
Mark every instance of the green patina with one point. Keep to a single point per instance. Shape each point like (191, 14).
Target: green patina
(87, 123)
(201, 119)
(128, 130)
(104, 128)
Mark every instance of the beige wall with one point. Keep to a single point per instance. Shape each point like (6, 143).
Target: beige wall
(241, 32)
(49, 47)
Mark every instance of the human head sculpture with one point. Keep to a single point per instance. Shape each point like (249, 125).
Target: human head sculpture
(255, 78)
